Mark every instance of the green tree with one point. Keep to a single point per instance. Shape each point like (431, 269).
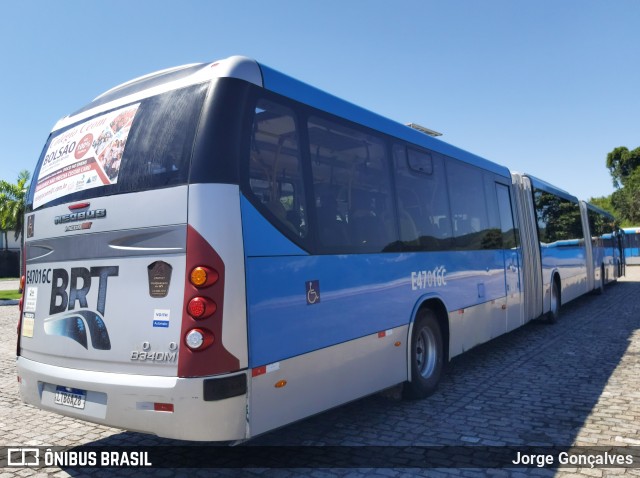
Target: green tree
(624, 166)
(12, 206)
(622, 163)
(626, 200)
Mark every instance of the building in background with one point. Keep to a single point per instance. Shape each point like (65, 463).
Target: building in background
(9, 255)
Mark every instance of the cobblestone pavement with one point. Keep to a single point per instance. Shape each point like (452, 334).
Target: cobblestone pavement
(573, 383)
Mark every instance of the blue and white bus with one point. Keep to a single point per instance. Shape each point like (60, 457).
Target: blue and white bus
(217, 250)
(632, 246)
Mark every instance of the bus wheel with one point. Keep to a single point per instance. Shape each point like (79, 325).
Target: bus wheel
(554, 312)
(427, 361)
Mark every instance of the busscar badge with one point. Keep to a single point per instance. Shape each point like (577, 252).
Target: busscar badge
(159, 278)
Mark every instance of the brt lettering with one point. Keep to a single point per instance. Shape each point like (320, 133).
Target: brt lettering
(79, 285)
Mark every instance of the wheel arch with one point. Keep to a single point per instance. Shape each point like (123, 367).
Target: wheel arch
(436, 304)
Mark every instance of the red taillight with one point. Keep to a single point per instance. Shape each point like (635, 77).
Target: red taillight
(80, 205)
(21, 302)
(201, 307)
(196, 307)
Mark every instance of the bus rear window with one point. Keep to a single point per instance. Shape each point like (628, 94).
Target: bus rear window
(141, 146)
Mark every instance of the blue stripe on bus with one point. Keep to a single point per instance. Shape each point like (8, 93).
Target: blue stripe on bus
(570, 256)
(357, 295)
(261, 238)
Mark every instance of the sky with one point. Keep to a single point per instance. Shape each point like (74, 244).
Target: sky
(546, 87)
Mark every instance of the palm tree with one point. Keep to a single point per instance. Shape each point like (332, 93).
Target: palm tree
(12, 206)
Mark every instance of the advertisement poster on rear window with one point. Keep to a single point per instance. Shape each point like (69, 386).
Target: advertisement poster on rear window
(84, 157)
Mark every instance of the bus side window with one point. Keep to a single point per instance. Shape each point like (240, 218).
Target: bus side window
(423, 200)
(507, 227)
(472, 229)
(558, 218)
(352, 188)
(275, 174)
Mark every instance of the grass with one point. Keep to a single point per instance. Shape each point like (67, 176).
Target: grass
(9, 294)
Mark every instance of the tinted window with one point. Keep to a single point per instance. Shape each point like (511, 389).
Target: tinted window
(352, 188)
(423, 200)
(600, 224)
(420, 161)
(146, 145)
(558, 218)
(471, 226)
(275, 173)
(509, 234)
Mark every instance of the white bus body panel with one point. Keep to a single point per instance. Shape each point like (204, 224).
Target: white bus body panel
(296, 388)
(476, 325)
(134, 235)
(120, 390)
(233, 67)
(126, 401)
(214, 211)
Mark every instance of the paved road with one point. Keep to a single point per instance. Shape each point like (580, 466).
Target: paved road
(573, 383)
(9, 284)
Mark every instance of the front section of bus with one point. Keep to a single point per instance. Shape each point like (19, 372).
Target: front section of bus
(133, 313)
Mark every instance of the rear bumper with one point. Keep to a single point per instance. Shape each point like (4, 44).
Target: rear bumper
(126, 401)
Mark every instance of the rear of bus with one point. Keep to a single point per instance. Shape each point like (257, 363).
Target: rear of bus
(134, 311)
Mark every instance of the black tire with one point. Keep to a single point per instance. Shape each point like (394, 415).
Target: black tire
(427, 357)
(554, 313)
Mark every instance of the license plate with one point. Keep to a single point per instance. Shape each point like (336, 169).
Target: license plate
(70, 397)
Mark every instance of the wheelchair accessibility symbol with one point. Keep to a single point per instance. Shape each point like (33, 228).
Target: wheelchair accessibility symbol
(313, 292)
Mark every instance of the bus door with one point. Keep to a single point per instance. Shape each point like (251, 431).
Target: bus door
(512, 260)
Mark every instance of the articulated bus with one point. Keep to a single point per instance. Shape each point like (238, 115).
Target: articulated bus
(217, 250)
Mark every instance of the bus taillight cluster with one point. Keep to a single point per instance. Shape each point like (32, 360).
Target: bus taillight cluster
(203, 352)
(201, 306)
